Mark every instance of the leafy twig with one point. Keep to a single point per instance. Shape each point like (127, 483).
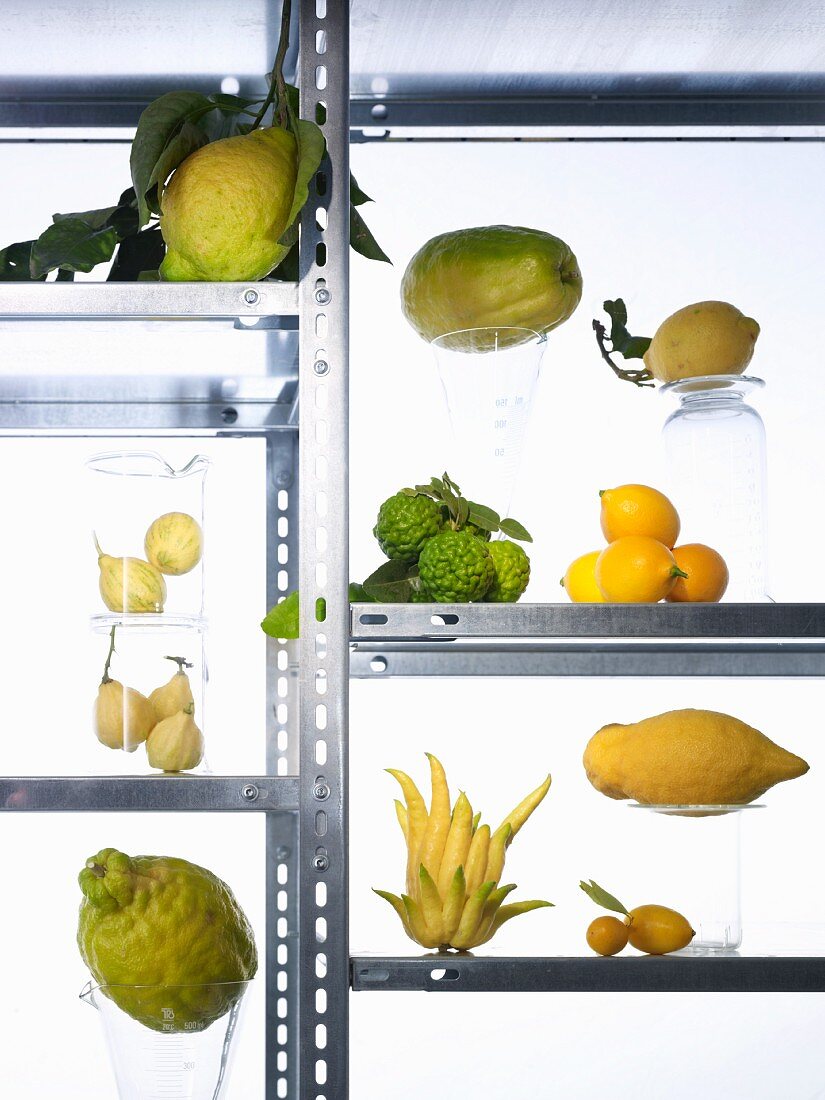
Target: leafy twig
(629, 347)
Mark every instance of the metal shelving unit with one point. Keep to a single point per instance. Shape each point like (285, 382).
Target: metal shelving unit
(309, 973)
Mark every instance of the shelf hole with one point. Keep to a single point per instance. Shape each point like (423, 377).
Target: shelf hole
(283, 954)
(281, 901)
(320, 9)
(321, 433)
(283, 662)
(281, 1008)
(283, 874)
(320, 77)
(320, 965)
(320, 609)
(321, 716)
(282, 687)
(282, 1087)
(283, 580)
(320, 113)
(320, 646)
(283, 554)
(321, 580)
(281, 1035)
(283, 766)
(321, 681)
(281, 982)
(283, 500)
(321, 540)
(379, 110)
(321, 503)
(444, 620)
(320, 752)
(321, 823)
(444, 975)
(320, 1001)
(372, 620)
(321, 183)
(321, 217)
(321, 894)
(321, 326)
(283, 740)
(282, 927)
(378, 664)
(281, 1061)
(321, 1037)
(321, 254)
(320, 1072)
(321, 930)
(374, 975)
(320, 42)
(283, 527)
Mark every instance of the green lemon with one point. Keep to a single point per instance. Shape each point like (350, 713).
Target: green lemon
(512, 572)
(405, 523)
(226, 207)
(165, 939)
(495, 275)
(456, 567)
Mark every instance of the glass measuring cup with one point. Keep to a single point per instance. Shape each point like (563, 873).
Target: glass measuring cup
(489, 376)
(169, 1058)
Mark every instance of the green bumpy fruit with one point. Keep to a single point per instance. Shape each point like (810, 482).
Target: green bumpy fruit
(512, 572)
(405, 524)
(456, 567)
(165, 939)
(495, 275)
(226, 207)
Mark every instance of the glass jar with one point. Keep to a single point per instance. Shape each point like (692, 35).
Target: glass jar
(717, 475)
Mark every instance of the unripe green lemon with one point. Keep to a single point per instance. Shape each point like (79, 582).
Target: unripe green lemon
(226, 207)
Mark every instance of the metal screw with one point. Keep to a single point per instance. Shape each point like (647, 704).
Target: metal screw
(282, 853)
(250, 792)
(229, 416)
(321, 791)
(323, 296)
(251, 297)
(320, 863)
(321, 367)
(284, 478)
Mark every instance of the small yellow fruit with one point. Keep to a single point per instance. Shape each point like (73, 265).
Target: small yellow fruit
(579, 581)
(173, 696)
(657, 930)
(130, 584)
(175, 744)
(702, 339)
(122, 718)
(638, 510)
(636, 569)
(607, 935)
(174, 543)
(687, 758)
(707, 575)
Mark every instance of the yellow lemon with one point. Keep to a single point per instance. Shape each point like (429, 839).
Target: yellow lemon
(707, 575)
(579, 582)
(607, 935)
(703, 338)
(638, 510)
(226, 207)
(636, 569)
(657, 930)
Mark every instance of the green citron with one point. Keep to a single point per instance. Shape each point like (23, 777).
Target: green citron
(495, 275)
(405, 523)
(706, 338)
(226, 208)
(456, 567)
(165, 939)
(512, 572)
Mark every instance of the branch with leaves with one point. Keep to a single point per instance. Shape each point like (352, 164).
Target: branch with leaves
(621, 342)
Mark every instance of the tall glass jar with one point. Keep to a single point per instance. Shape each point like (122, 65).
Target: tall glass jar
(717, 475)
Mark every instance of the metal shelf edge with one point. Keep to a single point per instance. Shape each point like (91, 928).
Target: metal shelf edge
(152, 793)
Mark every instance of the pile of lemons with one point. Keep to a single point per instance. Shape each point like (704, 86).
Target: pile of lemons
(642, 563)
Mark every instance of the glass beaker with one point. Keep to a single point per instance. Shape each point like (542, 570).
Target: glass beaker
(489, 376)
(717, 475)
(698, 870)
(143, 508)
(168, 1058)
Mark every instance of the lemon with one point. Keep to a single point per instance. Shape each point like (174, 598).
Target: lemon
(657, 930)
(226, 207)
(638, 510)
(579, 582)
(703, 338)
(174, 543)
(636, 569)
(707, 575)
(165, 938)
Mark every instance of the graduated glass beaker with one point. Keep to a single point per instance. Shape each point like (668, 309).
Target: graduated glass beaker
(489, 377)
(717, 475)
(180, 1053)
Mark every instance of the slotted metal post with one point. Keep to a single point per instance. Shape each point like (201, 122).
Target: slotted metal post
(323, 561)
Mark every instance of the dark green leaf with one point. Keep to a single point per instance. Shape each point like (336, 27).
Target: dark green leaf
(94, 219)
(230, 117)
(480, 520)
(390, 583)
(515, 530)
(283, 621)
(362, 240)
(487, 513)
(287, 270)
(463, 511)
(437, 485)
(630, 347)
(448, 481)
(137, 255)
(616, 311)
(72, 244)
(358, 594)
(15, 261)
(602, 898)
(311, 149)
(356, 196)
(64, 276)
(157, 148)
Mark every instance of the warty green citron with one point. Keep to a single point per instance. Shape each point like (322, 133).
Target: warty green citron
(226, 208)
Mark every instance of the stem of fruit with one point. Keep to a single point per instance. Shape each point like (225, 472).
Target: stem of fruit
(641, 378)
(677, 572)
(181, 662)
(107, 679)
(277, 84)
(96, 869)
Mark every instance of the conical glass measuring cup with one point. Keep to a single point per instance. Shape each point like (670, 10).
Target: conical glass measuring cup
(172, 1058)
(489, 376)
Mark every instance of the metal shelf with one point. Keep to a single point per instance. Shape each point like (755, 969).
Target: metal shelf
(663, 974)
(150, 793)
(87, 301)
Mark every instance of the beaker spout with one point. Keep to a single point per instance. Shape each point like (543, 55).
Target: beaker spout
(87, 995)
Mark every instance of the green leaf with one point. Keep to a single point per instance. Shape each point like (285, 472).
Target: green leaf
(356, 196)
(391, 582)
(287, 270)
(602, 898)
(166, 134)
(230, 118)
(72, 244)
(359, 594)
(487, 513)
(481, 520)
(463, 511)
(515, 530)
(15, 263)
(94, 219)
(362, 240)
(437, 485)
(137, 256)
(630, 347)
(283, 621)
(311, 149)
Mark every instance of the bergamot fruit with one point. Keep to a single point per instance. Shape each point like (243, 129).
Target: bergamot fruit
(226, 208)
(512, 572)
(165, 939)
(456, 567)
(405, 523)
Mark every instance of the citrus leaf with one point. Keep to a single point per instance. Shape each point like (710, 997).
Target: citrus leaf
(283, 621)
(230, 117)
(481, 520)
(359, 594)
(602, 898)
(311, 149)
(629, 347)
(515, 530)
(15, 261)
(437, 484)
(362, 240)
(356, 196)
(72, 244)
(488, 513)
(136, 256)
(158, 148)
(391, 582)
(94, 219)
(463, 512)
